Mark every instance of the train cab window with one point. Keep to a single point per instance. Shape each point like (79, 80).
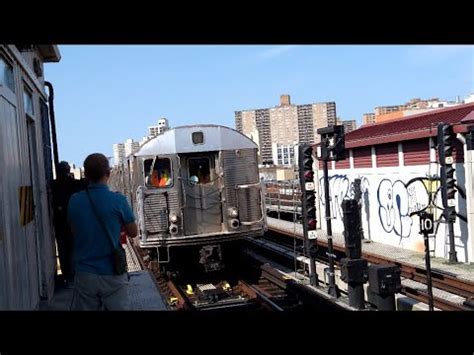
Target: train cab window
(160, 174)
(198, 137)
(199, 170)
(6, 74)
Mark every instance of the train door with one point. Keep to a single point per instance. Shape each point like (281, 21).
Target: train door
(38, 226)
(14, 281)
(202, 211)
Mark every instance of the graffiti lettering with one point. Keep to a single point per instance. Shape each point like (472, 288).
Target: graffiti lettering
(399, 201)
(341, 188)
(393, 208)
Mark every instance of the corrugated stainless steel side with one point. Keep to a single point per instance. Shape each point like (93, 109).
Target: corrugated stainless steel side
(249, 203)
(155, 212)
(15, 252)
(241, 168)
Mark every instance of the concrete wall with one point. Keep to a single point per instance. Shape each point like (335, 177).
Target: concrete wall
(389, 195)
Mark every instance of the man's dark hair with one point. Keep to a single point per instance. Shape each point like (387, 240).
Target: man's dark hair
(64, 169)
(96, 166)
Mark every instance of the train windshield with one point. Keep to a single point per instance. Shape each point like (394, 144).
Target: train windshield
(199, 170)
(160, 174)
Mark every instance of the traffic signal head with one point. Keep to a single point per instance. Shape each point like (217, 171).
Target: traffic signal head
(308, 175)
(308, 158)
(310, 209)
(306, 162)
(311, 224)
(451, 214)
(307, 186)
(309, 200)
(445, 142)
(332, 143)
(450, 182)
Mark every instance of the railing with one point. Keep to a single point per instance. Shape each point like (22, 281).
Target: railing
(283, 197)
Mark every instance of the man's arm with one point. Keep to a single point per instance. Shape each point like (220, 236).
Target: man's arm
(128, 219)
(131, 229)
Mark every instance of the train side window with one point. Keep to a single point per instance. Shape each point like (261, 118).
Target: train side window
(199, 170)
(147, 167)
(6, 74)
(28, 102)
(160, 175)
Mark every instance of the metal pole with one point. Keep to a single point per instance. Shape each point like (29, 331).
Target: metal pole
(356, 295)
(428, 271)
(53, 125)
(333, 289)
(453, 258)
(313, 276)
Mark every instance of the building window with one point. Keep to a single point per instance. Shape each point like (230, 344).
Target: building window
(6, 74)
(28, 102)
(160, 176)
(199, 171)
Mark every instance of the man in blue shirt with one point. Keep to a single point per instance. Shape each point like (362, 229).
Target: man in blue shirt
(96, 285)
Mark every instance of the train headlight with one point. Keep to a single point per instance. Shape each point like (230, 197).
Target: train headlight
(233, 212)
(234, 223)
(173, 229)
(173, 217)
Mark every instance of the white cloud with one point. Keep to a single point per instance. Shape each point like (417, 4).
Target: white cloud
(274, 52)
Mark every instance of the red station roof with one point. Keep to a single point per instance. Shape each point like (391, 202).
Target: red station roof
(413, 127)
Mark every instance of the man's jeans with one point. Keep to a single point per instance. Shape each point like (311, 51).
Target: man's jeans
(98, 292)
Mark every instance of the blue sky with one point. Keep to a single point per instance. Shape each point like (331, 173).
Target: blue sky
(106, 94)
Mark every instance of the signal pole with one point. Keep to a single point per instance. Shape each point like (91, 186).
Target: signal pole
(308, 201)
(332, 148)
(333, 289)
(426, 227)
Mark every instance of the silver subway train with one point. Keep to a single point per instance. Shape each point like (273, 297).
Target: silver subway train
(193, 185)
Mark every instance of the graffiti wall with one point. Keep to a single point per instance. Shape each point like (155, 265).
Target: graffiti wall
(389, 197)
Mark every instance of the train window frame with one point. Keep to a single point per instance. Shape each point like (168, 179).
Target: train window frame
(9, 82)
(146, 175)
(197, 134)
(208, 159)
(27, 92)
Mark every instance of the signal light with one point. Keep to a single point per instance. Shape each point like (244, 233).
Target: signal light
(448, 182)
(332, 143)
(445, 134)
(445, 144)
(311, 211)
(307, 159)
(308, 197)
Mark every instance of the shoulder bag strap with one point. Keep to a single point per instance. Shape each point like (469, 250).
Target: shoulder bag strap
(101, 222)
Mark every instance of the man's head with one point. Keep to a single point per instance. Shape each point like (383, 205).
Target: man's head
(64, 169)
(96, 168)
